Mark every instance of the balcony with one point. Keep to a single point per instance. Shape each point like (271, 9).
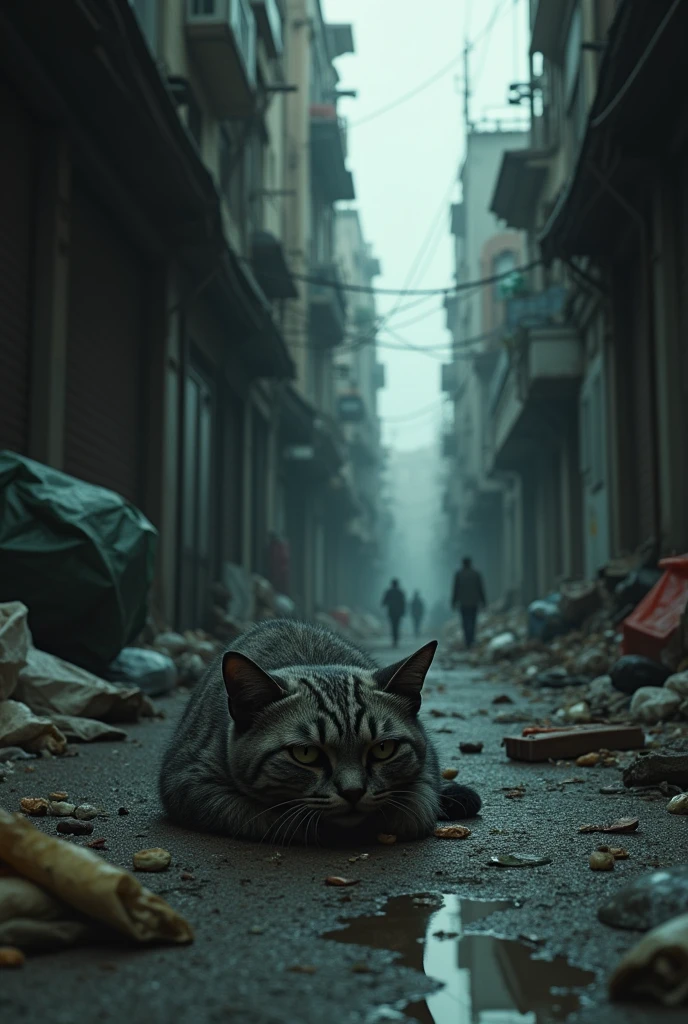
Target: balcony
(221, 36)
(328, 153)
(327, 306)
(533, 396)
(270, 266)
(270, 25)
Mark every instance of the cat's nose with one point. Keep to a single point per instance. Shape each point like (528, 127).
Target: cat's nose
(352, 795)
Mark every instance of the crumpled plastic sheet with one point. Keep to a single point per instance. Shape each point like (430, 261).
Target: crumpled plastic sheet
(52, 700)
(32, 919)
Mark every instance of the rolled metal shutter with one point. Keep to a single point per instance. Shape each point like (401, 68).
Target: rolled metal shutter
(17, 178)
(104, 420)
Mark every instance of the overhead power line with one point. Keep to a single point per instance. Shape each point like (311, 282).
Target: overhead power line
(453, 289)
(405, 97)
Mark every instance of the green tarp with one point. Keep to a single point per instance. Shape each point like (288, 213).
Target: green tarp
(80, 557)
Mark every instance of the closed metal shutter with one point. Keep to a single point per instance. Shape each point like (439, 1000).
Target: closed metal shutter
(643, 425)
(104, 423)
(17, 169)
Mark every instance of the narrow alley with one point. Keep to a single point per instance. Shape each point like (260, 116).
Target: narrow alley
(274, 943)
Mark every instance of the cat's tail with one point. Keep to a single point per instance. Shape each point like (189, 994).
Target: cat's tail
(457, 802)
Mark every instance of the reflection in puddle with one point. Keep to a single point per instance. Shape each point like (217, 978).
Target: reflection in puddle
(486, 980)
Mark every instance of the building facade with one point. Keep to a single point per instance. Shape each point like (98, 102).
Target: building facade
(600, 360)
(157, 313)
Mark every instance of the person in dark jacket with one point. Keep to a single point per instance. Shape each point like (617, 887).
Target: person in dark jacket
(417, 611)
(468, 596)
(395, 603)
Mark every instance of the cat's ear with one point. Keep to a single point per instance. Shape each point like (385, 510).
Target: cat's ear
(249, 689)
(406, 678)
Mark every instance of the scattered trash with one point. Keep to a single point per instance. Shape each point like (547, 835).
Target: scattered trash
(10, 956)
(617, 852)
(58, 796)
(588, 760)
(579, 713)
(61, 809)
(512, 717)
(514, 792)
(471, 748)
(657, 966)
(341, 882)
(97, 844)
(153, 672)
(186, 876)
(503, 698)
(36, 806)
(452, 832)
(623, 825)
(450, 773)
(650, 704)
(122, 811)
(359, 856)
(74, 827)
(86, 812)
(651, 625)
(501, 645)
(560, 744)
(648, 901)
(155, 859)
(602, 861)
(386, 839)
(519, 860)
(82, 880)
(678, 804)
(633, 672)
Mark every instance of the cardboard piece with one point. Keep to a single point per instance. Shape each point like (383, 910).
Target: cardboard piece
(569, 743)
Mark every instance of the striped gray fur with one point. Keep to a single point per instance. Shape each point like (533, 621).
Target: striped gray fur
(289, 688)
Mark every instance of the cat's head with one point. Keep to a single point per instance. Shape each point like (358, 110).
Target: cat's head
(341, 741)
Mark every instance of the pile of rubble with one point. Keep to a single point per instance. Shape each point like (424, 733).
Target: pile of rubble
(570, 646)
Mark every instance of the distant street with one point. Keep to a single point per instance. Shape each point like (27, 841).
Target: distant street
(260, 913)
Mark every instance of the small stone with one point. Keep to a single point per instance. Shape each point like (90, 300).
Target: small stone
(452, 832)
(361, 968)
(302, 969)
(471, 748)
(155, 859)
(187, 876)
(86, 812)
(678, 804)
(588, 760)
(339, 881)
(97, 844)
(59, 796)
(602, 861)
(256, 929)
(74, 827)
(450, 773)
(10, 956)
(61, 809)
(386, 839)
(617, 852)
(36, 806)
(122, 811)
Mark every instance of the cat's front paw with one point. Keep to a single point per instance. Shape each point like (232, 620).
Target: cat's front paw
(458, 802)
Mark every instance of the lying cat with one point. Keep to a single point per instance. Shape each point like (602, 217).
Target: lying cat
(295, 735)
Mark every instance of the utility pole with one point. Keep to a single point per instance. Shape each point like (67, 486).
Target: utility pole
(466, 87)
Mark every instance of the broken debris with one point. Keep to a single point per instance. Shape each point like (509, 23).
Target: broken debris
(155, 859)
(337, 880)
(657, 966)
(519, 860)
(678, 804)
(35, 806)
(450, 773)
(10, 956)
(74, 827)
(471, 748)
(622, 825)
(452, 832)
(601, 860)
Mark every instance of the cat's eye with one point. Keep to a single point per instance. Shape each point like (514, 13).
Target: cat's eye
(384, 750)
(305, 754)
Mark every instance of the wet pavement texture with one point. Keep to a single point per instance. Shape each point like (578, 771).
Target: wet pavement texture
(274, 945)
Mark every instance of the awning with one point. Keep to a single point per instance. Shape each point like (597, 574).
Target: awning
(270, 266)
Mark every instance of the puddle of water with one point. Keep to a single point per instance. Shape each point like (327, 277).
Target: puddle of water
(485, 979)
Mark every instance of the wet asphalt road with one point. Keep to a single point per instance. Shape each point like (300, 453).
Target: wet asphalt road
(258, 915)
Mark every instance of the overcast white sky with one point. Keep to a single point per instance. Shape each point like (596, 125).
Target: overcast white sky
(405, 164)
